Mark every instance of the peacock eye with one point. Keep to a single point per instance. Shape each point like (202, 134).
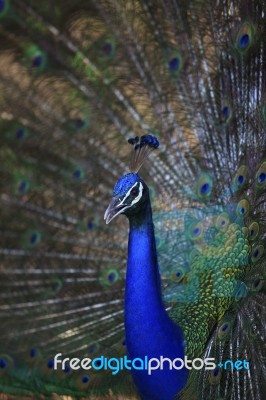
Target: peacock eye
(134, 192)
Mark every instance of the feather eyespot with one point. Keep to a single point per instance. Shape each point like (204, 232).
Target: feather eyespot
(20, 133)
(35, 58)
(226, 112)
(23, 186)
(109, 277)
(204, 186)
(85, 379)
(174, 62)
(215, 376)
(242, 208)
(195, 231)
(224, 330)
(6, 364)
(33, 356)
(257, 253)
(245, 37)
(222, 221)
(178, 275)
(241, 177)
(261, 176)
(253, 230)
(3, 363)
(258, 284)
(243, 41)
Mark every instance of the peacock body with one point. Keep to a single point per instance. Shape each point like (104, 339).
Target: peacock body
(77, 80)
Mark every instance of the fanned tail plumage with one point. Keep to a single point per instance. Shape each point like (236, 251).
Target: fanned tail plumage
(76, 80)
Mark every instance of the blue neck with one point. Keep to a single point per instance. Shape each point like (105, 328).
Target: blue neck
(149, 330)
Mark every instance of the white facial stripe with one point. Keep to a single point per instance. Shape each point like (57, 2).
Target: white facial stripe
(127, 194)
(139, 195)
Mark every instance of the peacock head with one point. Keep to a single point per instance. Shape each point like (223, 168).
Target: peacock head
(131, 192)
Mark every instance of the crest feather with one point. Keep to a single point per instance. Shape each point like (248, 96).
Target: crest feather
(143, 146)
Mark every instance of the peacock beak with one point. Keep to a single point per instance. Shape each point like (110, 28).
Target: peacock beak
(115, 208)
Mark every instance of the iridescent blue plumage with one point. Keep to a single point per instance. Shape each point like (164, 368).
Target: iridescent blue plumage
(125, 183)
(143, 277)
(149, 330)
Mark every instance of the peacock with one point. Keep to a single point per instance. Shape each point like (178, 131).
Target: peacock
(157, 108)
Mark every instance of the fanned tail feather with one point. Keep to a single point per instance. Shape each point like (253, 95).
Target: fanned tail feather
(77, 80)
